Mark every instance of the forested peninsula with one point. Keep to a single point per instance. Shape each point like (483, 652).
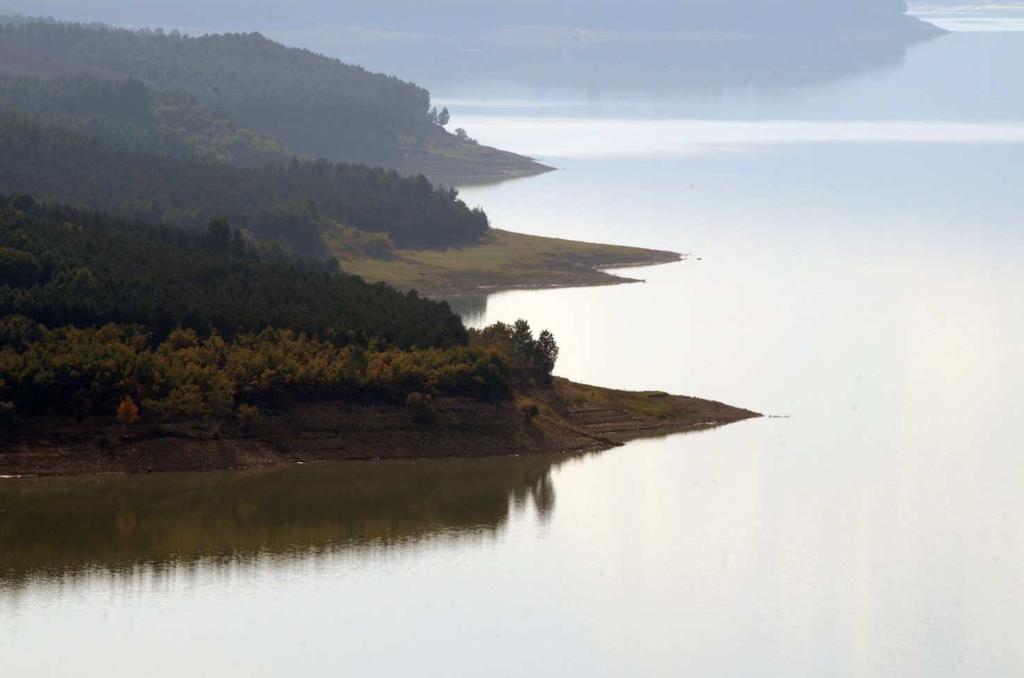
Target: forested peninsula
(127, 346)
(212, 255)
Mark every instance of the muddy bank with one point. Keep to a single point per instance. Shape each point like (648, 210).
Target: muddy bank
(565, 418)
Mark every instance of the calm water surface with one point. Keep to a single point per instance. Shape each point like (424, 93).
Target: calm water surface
(864, 283)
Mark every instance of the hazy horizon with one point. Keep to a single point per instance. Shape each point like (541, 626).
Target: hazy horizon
(454, 15)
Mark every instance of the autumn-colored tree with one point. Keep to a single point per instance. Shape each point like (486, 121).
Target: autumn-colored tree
(75, 371)
(127, 414)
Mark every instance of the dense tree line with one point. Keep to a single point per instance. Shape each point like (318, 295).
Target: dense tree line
(102, 315)
(97, 371)
(531, 359)
(318, 106)
(291, 203)
(128, 115)
(61, 266)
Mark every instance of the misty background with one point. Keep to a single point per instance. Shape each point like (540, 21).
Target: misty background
(455, 15)
(460, 48)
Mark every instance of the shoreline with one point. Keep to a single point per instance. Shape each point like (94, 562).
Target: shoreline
(612, 280)
(447, 160)
(566, 418)
(472, 166)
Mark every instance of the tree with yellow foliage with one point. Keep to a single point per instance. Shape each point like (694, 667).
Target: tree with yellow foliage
(127, 414)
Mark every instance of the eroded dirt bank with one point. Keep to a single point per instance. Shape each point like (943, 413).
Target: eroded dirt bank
(565, 418)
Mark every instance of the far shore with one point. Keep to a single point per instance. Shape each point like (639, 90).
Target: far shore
(562, 419)
(450, 162)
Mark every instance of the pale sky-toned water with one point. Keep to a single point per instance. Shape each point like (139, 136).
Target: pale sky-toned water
(865, 288)
(603, 138)
(966, 17)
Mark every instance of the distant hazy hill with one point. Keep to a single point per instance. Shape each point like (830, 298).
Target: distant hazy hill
(318, 106)
(762, 16)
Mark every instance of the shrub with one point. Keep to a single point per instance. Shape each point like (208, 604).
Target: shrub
(127, 414)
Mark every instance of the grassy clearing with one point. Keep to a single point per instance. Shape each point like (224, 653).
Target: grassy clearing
(626, 415)
(647, 403)
(502, 261)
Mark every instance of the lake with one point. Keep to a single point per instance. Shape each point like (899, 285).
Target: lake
(854, 270)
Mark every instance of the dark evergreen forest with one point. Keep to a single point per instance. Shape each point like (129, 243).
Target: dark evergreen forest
(290, 203)
(63, 266)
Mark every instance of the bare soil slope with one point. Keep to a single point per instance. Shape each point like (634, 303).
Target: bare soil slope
(565, 418)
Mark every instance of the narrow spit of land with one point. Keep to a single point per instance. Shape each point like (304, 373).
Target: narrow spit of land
(449, 161)
(502, 261)
(563, 418)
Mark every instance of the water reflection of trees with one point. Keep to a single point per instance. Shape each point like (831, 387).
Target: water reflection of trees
(472, 309)
(84, 526)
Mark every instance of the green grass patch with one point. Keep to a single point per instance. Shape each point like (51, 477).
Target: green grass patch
(651, 403)
(502, 260)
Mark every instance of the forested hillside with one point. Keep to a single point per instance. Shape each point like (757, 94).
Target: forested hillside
(99, 314)
(291, 203)
(128, 115)
(318, 106)
(167, 261)
(63, 266)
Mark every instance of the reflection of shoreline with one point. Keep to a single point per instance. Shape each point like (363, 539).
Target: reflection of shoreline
(464, 474)
(586, 138)
(471, 308)
(72, 529)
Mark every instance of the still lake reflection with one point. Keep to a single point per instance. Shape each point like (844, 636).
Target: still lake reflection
(868, 289)
(65, 529)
